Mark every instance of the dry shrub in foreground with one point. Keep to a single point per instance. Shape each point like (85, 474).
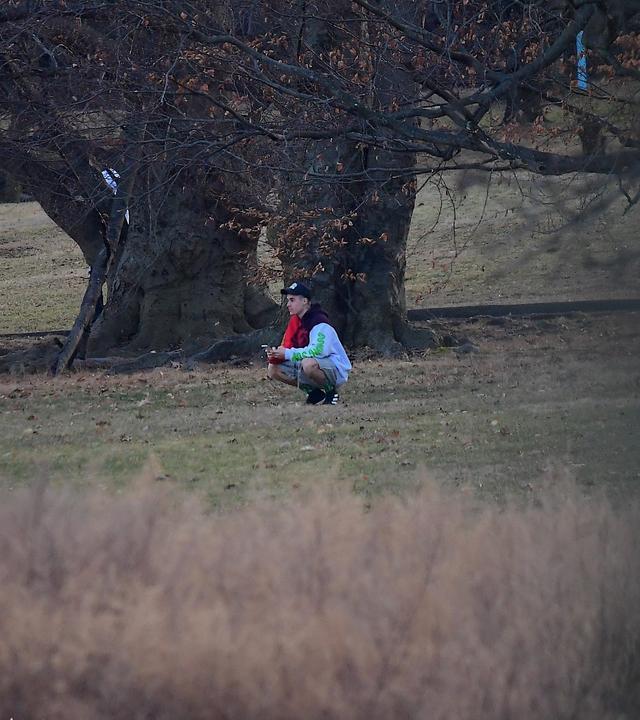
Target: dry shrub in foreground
(144, 606)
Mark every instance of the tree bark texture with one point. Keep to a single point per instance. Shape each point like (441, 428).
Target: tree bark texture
(99, 272)
(359, 273)
(180, 279)
(10, 189)
(359, 276)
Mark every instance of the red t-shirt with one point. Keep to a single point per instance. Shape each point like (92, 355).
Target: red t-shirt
(295, 336)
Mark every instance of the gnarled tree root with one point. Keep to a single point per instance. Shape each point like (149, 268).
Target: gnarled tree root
(237, 347)
(241, 346)
(148, 361)
(244, 346)
(418, 339)
(248, 346)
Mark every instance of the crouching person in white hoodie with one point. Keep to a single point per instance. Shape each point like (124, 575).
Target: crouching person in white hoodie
(315, 362)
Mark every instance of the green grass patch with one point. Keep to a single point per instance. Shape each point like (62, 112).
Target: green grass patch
(539, 398)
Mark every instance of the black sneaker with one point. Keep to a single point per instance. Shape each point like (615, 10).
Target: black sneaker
(331, 397)
(316, 396)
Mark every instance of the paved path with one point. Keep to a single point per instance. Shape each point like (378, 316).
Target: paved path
(525, 309)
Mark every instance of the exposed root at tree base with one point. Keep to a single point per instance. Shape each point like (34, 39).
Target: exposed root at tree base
(411, 339)
(238, 347)
(39, 358)
(241, 346)
(417, 339)
(148, 361)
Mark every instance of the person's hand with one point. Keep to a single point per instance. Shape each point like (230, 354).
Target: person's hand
(275, 353)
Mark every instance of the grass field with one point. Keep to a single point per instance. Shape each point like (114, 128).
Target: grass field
(218, 562)
(42, 272)
(487, 239)
(538, 399)
(554, 396)
(145, 605)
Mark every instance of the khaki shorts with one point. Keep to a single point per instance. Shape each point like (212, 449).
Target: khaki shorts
(294, 370)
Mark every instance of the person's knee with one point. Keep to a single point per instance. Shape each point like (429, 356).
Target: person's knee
(273, 372)
(309, 365)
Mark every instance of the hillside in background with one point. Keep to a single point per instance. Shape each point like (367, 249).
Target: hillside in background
(494, 239)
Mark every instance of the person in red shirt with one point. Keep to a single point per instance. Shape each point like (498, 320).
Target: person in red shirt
(294, 336)
(315, 372)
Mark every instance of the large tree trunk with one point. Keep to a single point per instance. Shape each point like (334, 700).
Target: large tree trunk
(359, 276)
(10, 189)
(377, 313)
(368, 204)
(180, 278)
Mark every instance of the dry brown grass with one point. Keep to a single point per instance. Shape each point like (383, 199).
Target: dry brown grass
(144, 606)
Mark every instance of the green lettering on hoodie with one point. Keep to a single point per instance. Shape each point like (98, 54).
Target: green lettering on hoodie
(316, 350)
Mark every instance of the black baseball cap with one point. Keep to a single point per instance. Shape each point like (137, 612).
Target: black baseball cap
(297, 288)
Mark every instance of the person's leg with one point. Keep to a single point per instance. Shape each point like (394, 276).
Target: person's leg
(316, 378)
(275, 372)
(325, 375)
(312, 370)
